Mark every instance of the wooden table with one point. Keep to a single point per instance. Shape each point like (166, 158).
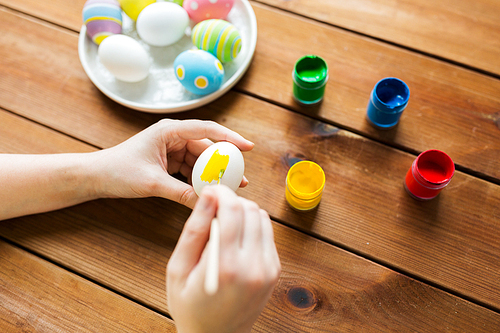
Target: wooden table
(369, 259)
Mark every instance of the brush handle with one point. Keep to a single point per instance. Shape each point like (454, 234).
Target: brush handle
(212, 273)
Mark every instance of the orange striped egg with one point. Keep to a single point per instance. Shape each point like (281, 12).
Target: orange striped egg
(218, 37)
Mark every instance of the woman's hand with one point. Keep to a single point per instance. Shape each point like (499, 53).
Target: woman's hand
(248, 271)
(142, 166)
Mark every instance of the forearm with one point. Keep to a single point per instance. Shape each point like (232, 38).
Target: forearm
(32, 184)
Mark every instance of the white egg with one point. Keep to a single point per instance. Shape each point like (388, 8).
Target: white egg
(125, 58)
(219, 156)
(162, 23)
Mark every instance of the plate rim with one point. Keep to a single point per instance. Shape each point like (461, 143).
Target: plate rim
(180, 106)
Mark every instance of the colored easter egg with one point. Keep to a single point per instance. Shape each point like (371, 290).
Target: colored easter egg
(199, 71)
(222, 159)
(218, 37)
(134, 7)
(200, 10)
(102, 18)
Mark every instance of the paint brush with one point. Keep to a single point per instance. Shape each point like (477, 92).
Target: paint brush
(212, 273)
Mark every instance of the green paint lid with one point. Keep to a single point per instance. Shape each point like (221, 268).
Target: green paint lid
(310, 72)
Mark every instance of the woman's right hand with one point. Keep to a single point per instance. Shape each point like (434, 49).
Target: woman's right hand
(248, 271)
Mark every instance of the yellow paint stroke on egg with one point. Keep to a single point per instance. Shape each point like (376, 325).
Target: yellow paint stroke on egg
(215, 164)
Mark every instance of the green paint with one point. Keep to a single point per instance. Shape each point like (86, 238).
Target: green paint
(310, 75)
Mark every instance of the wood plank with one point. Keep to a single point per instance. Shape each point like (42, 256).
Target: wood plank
(64, 13)
(462, 31)
(20, 136)
(37, 296)
(121, 243)
(450, 108)
(418, 238)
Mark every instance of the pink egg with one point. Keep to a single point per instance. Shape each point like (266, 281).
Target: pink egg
(199, 10)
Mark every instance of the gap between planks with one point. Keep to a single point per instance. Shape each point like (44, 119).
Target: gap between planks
(50, 128)
(385, 41)
(86, 278)
(387, 265)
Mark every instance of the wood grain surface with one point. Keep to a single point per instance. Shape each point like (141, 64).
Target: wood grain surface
(368, 259)
(124, 245)
(40, 297)
(362, 173)
(462, 31)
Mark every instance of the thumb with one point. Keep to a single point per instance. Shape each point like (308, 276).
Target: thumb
(178, 191)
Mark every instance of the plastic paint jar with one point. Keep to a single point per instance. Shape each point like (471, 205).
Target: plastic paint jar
(305, 182)
(310, 75)
(388, 100)
(430, 172)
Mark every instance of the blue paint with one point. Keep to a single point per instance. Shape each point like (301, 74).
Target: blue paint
(388, 99)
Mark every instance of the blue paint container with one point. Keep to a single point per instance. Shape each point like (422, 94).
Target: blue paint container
(388, 99)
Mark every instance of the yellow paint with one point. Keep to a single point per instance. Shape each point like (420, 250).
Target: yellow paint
(180, 72)
(99, 37)
(201, 82)
(304, 185)
(103, 18)
(133, 7)
(215, 164)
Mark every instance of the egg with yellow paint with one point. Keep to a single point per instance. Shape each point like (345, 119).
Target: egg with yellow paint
(200, 72)
(222, 159)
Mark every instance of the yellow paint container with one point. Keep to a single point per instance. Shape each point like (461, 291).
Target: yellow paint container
(305, 182)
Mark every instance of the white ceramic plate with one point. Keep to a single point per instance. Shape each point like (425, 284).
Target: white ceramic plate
(161, 92)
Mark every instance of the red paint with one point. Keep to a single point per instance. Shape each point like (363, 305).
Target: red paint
(429, 174)
(431, 171)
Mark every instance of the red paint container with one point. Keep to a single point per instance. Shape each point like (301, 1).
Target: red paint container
(429, 174)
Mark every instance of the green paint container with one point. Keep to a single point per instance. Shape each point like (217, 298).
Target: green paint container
(310, 75)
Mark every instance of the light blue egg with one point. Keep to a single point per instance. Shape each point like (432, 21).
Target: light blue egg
(199, 71)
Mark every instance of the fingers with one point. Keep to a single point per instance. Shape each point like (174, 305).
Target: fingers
(271, 257)
(231, 218)
(194, 237)
(248, 254)
(196, 147)
(198, 130)
(244, 181)
(252, 231)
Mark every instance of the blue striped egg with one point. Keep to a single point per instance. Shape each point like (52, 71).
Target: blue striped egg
(199, 71)
(218, 37)
(102, 18)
